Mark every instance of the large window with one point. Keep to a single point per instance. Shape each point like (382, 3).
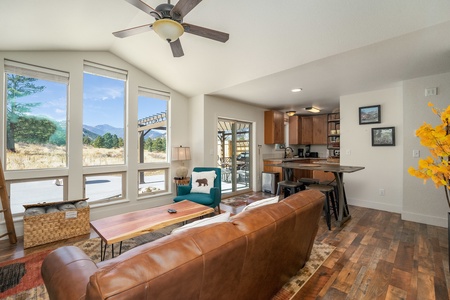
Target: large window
(36, 117)
(152, 142)
(103, 115)
(152, 126)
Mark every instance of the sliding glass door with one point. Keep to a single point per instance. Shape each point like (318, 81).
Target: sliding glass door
(234, 155)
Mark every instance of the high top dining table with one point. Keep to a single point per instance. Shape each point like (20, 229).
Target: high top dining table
(338, 171)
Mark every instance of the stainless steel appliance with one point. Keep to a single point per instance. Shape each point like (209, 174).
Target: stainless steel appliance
(270, 182)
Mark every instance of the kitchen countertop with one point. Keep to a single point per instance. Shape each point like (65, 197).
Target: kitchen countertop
(295, 159)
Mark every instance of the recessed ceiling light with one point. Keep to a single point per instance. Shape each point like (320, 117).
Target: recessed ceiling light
(296, 90)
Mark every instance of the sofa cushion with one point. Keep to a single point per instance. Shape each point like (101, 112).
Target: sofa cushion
(202, 182)
(261, 203)
(225, 217)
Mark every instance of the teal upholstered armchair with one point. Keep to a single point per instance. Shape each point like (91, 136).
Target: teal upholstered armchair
(211, 199)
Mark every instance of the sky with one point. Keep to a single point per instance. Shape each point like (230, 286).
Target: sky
(103, 101)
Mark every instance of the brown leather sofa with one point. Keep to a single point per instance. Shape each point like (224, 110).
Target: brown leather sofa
(250, 257)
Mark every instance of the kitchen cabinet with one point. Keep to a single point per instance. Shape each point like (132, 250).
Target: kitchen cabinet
(273, 127)
(295, 130)
(297, 172)
(319, 136)
(308, 130)
(268, 168)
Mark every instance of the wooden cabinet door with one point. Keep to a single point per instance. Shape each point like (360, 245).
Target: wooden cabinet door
(273, 169)
(319, 136)
(273, 127)
(307, 130)
(295, 130)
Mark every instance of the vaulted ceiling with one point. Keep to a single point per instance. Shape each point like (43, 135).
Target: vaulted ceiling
(327, 47)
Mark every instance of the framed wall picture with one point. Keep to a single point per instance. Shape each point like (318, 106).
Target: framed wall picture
(370, 114)
(384, 136)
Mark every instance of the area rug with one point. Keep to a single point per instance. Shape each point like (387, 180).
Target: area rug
(319, 254)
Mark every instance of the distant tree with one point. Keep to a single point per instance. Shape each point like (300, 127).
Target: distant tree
(98, 142)
(59, 137)
(148, 144)
(18, 86)
(115, 141)
(121, 143)
(159, 145)
(34, 130)
(86, 140)
(108, 141)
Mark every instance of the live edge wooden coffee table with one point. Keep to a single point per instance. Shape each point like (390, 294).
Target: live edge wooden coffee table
(126, 226)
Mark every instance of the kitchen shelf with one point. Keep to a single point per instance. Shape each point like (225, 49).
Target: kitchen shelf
(333, 139)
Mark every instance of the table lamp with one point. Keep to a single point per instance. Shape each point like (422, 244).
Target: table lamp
(181, 154)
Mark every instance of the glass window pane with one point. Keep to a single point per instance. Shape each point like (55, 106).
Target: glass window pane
(152, 182)
(104, 187)
(152, 128)
(32, 192)
(36, 122)
(103, 120)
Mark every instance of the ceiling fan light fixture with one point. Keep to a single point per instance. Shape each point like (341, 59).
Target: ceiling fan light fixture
(169, 30)
(291, 113)
(312, 109)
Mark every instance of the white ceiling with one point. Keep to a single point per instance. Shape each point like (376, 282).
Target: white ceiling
(327, 47)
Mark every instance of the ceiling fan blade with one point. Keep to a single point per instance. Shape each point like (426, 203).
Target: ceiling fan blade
(132, 31)
(206, 33)
(141, 5)
(183, 7)
(177, 50)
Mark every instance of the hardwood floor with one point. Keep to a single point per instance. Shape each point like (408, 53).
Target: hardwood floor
(377, 256)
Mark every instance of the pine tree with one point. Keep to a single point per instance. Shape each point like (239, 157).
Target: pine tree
(17, 87)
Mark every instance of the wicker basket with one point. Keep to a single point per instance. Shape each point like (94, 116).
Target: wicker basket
(55, 226)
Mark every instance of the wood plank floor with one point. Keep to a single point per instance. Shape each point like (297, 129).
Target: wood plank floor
(377, 256)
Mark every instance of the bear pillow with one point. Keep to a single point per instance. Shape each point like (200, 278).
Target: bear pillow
(202, 182)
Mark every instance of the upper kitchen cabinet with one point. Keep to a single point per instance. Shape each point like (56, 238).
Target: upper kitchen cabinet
(308, 130)
(273, 127)
(295, 130)
(320, 126)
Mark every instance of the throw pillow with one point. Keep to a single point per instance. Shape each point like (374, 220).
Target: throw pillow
(261, 203)
(202, 182)
(225, 217)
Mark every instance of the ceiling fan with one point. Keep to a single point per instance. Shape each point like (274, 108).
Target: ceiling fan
(169, 24)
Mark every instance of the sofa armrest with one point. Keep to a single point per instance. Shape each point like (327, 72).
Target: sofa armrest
(66, 273)
(183, 190)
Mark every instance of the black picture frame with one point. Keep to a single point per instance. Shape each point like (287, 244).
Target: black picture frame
(370, 114)
(383, 136)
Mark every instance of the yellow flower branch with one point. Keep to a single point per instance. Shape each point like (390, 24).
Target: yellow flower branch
(437, 139)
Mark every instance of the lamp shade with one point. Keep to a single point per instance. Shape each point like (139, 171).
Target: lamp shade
(181, 153)
(168, 30)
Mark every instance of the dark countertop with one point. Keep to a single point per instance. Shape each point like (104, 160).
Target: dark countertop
(294, 159)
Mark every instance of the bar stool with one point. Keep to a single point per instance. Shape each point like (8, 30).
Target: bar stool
(330, 198)
(291, 187)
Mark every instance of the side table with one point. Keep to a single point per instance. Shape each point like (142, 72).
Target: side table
(182, 181)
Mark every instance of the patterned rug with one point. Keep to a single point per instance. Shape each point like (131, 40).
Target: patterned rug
(91, 247)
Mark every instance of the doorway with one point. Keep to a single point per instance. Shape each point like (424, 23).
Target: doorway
(234, 155)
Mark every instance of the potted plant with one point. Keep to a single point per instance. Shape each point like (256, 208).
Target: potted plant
(436, 166)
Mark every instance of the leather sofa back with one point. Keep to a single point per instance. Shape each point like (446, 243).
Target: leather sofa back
(248, 258)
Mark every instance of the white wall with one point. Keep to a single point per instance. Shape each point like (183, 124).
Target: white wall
(383, 165)
(422, 203)
(72, 62)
